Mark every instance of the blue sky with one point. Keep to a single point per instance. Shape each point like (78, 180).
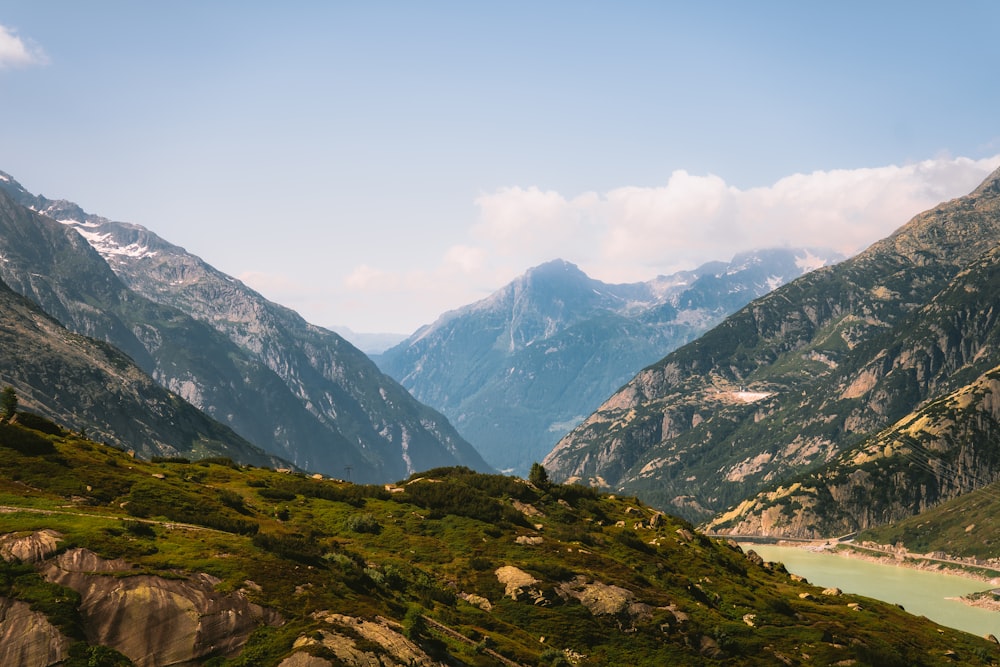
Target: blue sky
(373, 164)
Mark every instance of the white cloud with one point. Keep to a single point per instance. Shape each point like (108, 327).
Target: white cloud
(634, 233)
(16, 52)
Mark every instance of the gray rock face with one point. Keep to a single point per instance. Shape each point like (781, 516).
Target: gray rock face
(296, 390)
(27, 638)
(88, 385)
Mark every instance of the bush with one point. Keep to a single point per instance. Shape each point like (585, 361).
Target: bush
(363, 523)
(293, 547)
(275, 494)
(25, 441)
(169, 459)
(38, 423)
(138, 528)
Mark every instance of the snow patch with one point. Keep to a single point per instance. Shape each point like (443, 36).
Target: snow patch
(77, 223)
(751, 396)
(106, 246)
(809, 262)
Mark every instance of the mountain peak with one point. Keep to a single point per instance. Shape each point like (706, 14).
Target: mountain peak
(990, 186)
(555, 267)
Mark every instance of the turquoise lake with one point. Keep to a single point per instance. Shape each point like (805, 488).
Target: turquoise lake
(920, 592)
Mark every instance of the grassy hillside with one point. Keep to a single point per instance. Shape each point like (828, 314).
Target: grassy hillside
(450, 567)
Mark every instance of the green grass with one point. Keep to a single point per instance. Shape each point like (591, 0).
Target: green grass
(310, 545)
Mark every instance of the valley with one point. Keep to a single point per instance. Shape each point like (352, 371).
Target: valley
(858, 399)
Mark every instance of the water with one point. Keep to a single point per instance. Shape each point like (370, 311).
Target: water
(920, 592)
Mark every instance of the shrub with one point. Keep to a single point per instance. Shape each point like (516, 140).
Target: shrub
(38, 423)
(138, 528)
(293, 547)
(363, 523)
(275, 494)
(25, 441)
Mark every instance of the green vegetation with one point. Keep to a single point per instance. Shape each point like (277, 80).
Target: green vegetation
(611, 580)
(8, 404)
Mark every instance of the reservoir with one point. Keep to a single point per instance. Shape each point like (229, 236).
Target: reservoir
(920, 592)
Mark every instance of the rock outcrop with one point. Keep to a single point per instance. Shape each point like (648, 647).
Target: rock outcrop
(27, 637)
(153, 620)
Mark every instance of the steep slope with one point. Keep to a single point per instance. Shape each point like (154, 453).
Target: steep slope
(515, 371)
(297, 390)
(801, 374)
(93, 387)
(948, 448)
(221, 565)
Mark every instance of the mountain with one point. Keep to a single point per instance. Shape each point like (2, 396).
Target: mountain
(296, 390)
(93, 387)
(369, 343)
(517, 370)
(816, 367)
(206, 563)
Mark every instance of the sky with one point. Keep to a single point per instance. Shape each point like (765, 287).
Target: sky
(375, 164)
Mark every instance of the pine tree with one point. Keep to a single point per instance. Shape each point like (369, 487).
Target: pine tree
(538, 476)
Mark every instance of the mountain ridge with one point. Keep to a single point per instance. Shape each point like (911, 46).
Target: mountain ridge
(300, 391)
(824, 356)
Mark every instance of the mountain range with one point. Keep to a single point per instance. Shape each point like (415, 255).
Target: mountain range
(517, 370)
(855, 395)
(296, 390)
(94, 388)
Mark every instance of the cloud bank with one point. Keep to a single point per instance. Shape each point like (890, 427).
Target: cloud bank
(635, 233)
(16, 52)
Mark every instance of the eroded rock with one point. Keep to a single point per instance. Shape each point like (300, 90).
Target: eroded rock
(31, 548)
(398, 650)
(27, 637)
(153, 620)
(599, 598)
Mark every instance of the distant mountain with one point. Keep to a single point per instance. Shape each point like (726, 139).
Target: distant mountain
(515, 371)
(92, 387)
(901, 337)
(294, 389)
(369, 343)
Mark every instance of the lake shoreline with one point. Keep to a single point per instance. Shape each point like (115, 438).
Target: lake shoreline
(901, 557)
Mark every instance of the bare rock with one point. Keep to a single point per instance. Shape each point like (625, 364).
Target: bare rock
(385, 633)
(32, 548)
(27, 637)
(477, 601)
(515, 580)
(527, 509)
(152, 620)
(599, 598)
(304, 660)
(832, 591)
(530, 540)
